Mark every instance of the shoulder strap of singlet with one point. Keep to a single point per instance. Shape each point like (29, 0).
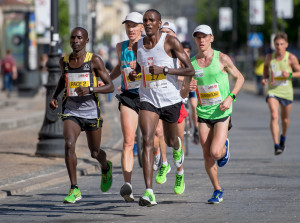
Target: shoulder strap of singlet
(88, 57)
(66, 58)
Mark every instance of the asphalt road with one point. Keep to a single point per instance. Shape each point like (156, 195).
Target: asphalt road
(259, 187)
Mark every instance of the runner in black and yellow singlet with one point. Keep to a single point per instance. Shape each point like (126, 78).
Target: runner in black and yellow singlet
(280, 67)
(214, 103)
(81, 110)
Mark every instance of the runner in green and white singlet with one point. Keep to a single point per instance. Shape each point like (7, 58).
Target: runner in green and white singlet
(214, 103)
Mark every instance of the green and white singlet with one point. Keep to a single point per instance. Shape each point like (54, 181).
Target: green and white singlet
(278, 85)
(212, 88)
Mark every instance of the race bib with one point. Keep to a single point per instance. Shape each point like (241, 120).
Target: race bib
(151, 81)
(127, 82)
(74, 80)
(278, 79)
(209, 95)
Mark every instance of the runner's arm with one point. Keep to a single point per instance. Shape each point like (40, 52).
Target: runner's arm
(266, 69)
(295, 66)
(61, 82)
(100, 71)
(229, 67)
(60, 86)
(116, 72)
(132, 75)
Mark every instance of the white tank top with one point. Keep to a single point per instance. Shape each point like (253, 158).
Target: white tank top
(159, 90)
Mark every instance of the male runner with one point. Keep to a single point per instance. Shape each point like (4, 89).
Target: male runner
(81, 109)
(165, 168)
(129, 99)
(157, 55)
(214, 103)
(280, 67)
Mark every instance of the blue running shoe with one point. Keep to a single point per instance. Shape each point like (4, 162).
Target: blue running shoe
(217, 197)
(222, 162)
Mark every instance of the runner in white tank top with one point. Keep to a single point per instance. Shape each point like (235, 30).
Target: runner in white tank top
(157, 56)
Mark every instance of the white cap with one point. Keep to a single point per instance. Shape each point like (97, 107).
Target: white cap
(169, 25)
(134, 17)
(203, 29)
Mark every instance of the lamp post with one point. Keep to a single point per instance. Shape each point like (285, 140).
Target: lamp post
(51, 140)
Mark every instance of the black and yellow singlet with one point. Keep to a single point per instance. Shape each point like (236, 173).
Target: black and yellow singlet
(87, 106)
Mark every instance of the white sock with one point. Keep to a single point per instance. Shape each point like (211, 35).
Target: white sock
(166, 163)
(179, 141)
(150, 190)
(180, 172)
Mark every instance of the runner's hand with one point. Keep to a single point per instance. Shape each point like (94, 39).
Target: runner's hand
(132, 75)
(264, 81)
(285, 74)
(225, 105)
(81, 91)
(53, 104)
(132, 64)
(100, 83)
(156, 70)
(193, 85)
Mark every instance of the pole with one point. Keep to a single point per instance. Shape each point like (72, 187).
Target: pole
(51, 140)
(274, 21)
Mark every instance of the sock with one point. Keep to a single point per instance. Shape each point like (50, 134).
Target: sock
(74, 186)
(129, 184)
(150, 190)
(180, 172)
(104, 171)
(282, 140)
(166, 163)
(196, 129)
(179, 141)
(157, 153)
(277, 146)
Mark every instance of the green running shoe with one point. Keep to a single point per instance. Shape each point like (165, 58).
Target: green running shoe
(178, 156)
(161, 176)
(179, 184)
(106, 179)
(73, 196)
(148, 199)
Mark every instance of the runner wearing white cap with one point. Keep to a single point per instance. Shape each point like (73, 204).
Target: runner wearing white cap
(157, 55)
(214, 103)
(129, 98)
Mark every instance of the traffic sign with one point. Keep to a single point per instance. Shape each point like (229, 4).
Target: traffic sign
(255, 40)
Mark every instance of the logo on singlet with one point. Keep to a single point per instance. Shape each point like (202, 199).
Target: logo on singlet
(86, 67)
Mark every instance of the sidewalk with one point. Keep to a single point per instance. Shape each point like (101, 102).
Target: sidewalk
(20, 123)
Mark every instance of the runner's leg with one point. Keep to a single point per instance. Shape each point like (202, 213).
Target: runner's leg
(274, 122)
(148, 122)
(71, 131)
(285, 118)
(129, 121)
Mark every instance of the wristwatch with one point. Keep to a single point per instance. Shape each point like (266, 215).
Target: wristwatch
(91, 89)
(166, 70)
(233, 96)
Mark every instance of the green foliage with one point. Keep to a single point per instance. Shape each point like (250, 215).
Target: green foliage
(63, 27)
(208, 14)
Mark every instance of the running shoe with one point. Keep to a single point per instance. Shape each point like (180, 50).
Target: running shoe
(148, 199)
(106, 178)
(161, 176)
(126, 192)
(178, 156)
(217, 197)
(278, 149)
(222, 162)
(73, 196)
(179, 184)
(157, 162)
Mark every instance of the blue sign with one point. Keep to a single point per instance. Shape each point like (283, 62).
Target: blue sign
(255, 40)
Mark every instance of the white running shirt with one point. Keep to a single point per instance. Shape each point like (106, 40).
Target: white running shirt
(158, 90)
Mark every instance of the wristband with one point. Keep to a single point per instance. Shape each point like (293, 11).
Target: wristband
(291, 75)
(232, 96)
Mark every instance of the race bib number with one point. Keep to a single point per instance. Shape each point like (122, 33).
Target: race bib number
(278, 79)
(127, 82)
(209, 95)
(151, 81)
(74, 80)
